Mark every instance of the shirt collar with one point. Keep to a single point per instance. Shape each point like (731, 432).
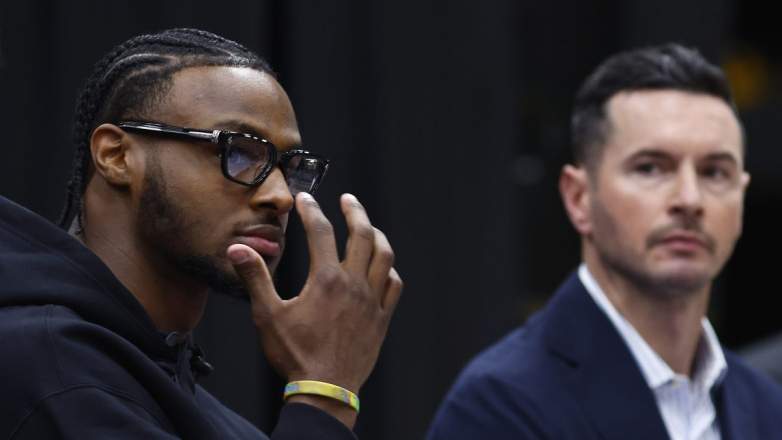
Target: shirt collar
(710, 364)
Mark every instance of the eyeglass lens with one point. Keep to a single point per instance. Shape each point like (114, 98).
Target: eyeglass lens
(302, 173)
(246, 159)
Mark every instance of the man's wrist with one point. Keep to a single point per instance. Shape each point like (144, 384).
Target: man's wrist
(324, 389)
(333, 407)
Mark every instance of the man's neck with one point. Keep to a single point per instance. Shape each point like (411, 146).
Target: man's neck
(172, 301)
(671, 325)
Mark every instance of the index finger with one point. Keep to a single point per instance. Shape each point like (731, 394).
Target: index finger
(361, 235)
(320, 234)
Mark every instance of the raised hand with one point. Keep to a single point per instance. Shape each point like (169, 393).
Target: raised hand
(332, 331)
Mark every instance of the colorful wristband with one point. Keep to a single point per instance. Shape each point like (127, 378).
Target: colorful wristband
(324, 389)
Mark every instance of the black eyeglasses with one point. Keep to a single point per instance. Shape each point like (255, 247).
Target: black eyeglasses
(247, 159)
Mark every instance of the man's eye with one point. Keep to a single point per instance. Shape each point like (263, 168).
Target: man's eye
(647, 168)
(716, 173)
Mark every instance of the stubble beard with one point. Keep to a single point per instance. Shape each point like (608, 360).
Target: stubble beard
(164, 226)
(623, 261)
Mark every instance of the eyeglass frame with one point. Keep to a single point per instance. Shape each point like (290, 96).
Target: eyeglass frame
(220, 138)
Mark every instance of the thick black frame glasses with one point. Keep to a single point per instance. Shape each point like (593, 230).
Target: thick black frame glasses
(248, 159)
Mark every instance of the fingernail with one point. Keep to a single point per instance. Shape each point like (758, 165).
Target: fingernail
(238, 255)
(305, 195)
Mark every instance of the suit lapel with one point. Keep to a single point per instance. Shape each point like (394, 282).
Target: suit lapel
(734, 408)
(604, 377)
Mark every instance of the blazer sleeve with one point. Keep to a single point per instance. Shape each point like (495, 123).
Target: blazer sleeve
(479, 406)
(301, 421)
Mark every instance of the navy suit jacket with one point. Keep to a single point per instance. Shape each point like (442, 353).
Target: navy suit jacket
(568, 374)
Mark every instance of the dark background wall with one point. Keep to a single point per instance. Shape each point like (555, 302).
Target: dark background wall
(449, 121)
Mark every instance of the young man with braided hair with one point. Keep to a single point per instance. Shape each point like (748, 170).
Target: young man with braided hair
(624, 349)
(188, 163)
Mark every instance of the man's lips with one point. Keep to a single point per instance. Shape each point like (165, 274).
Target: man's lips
(265, 239)
(687, 242)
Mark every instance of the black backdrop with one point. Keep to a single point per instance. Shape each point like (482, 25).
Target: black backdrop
(448, 120)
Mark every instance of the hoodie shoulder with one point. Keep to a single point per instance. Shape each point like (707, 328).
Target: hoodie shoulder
(27, 351)
(52, 353)
(29, 359)
(49, 347)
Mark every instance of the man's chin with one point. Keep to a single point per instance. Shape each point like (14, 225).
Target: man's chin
(236, 293)
(218, 275)
(226, 282)
(271, 263)
(682, 279)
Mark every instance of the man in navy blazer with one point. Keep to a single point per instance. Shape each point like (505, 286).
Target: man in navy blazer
(623, 350)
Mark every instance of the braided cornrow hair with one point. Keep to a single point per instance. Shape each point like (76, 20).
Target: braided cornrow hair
(130, 81)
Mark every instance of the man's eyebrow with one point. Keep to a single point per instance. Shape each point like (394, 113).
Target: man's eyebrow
(722, 157)
(660, 154)
(239, 126)
(650, 153)
(243, 127)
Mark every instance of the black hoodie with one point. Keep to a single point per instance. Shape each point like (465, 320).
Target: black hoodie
(81, 359)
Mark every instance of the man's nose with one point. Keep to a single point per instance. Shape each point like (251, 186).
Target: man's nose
(273, 192)
(687, 197)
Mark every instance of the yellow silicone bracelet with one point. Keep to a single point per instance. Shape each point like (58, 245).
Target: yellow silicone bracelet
(324, 389)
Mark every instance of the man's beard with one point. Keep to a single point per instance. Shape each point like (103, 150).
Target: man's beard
(164, 226)
(622, 260)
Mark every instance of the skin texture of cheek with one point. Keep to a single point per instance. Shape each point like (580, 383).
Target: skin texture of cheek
(615, 248)
(726, 228)
(164, 226)
(619, 238)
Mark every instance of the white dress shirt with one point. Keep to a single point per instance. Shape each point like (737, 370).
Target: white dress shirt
(685, 403)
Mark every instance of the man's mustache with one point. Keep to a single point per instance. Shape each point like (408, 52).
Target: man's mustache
(689, 228)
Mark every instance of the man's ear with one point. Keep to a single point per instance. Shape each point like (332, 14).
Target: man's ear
(575, 191)
(111, 155)
(745, 178)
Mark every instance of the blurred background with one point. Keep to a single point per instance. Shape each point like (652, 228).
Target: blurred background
(449, 120)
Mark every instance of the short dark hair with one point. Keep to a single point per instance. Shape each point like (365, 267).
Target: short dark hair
(669, 66)
(131, 80)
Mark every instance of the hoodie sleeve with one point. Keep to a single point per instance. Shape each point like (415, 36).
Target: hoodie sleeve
(89, 413)
(302, 421)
